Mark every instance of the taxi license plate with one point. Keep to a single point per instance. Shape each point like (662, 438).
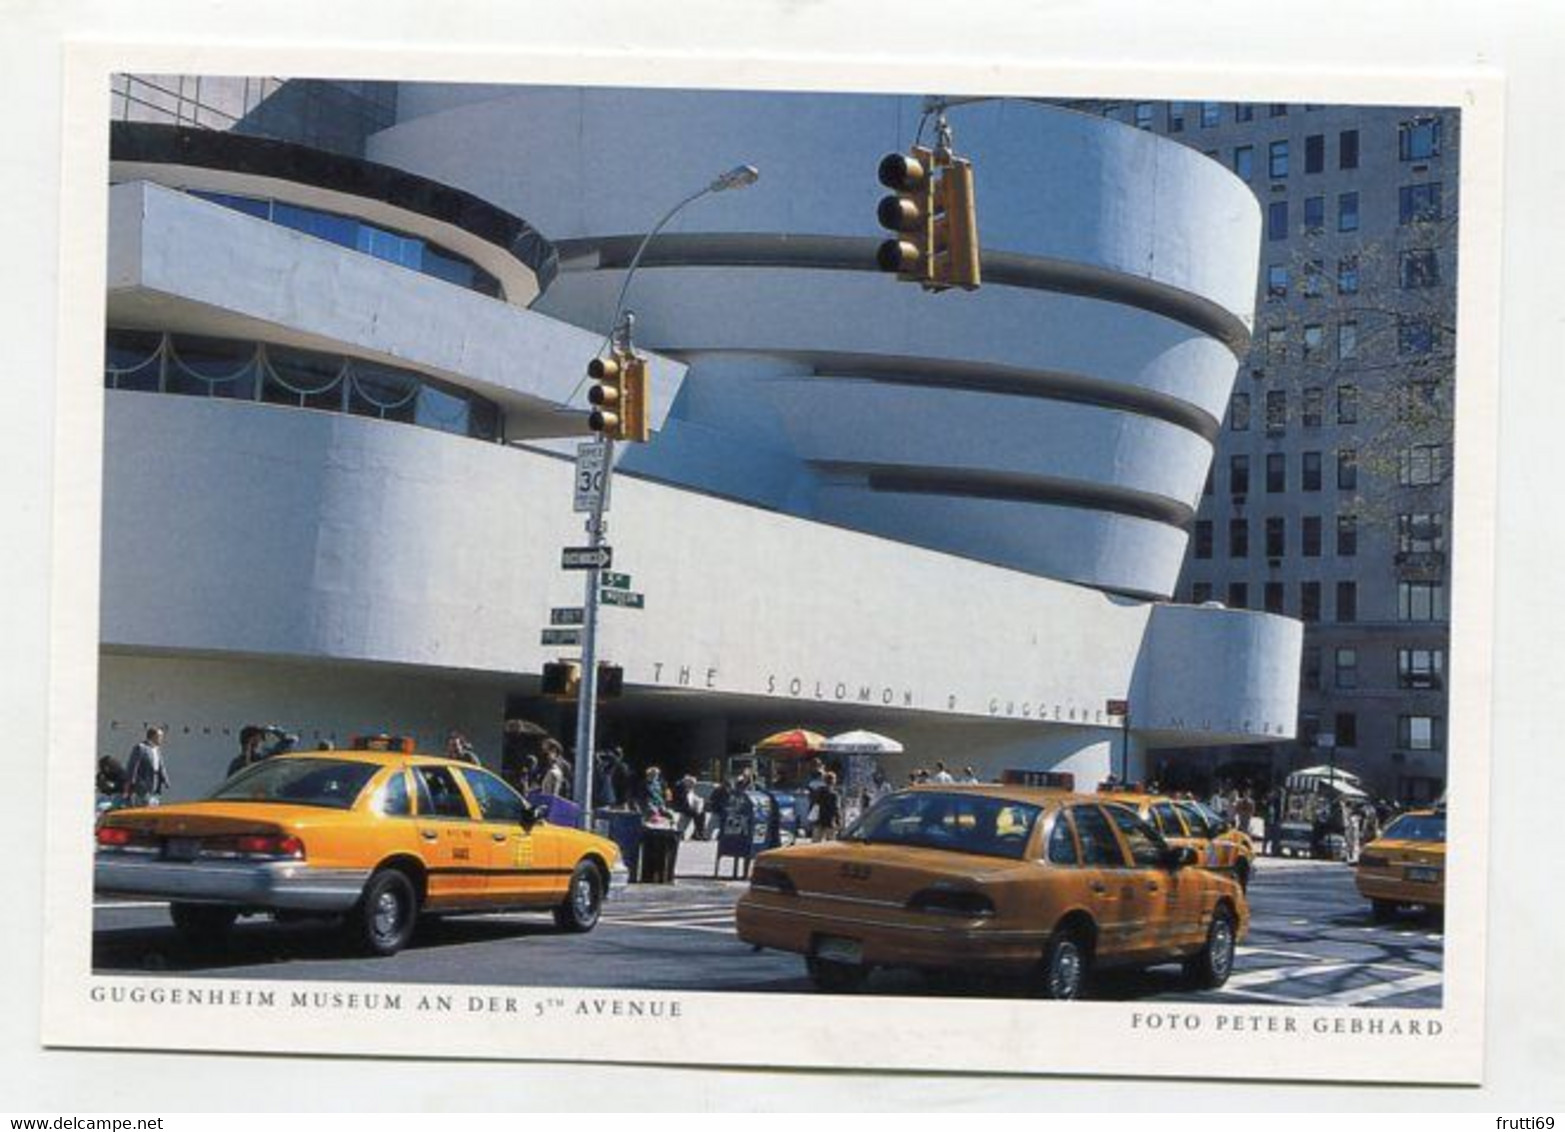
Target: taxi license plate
(839, 950)
(181, 848)
(1423, 875)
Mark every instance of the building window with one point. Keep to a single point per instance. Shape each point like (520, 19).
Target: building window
(1244, 112)
(1239, 475)
(1277, 109)
(1312, 531)
(1421, 669)
(1277, 220)
(1347, 668)
(1314, 406)
(1347, 404)
(1419, 139)
(1347, 729)
(1239, 412)
(1203, 538)
(1314, 341)
(1211, 114)
(1277, 160)
(1238, 538)
(1276, 345)
(1315, 153)
(1419, 402)
(1276, 412)
(1421, 532)
(1348, 149)
(1347, 212)
(1348, 275)
(1176, 117)
(1309, 722)
(1309, 611)
(1347, 470)
(1276, 282)
(1314, 279)
(1273, 597)
(1244, 161)
(1347, 341)
(1314, 215)
(1143, 115)
(1420, 269)
(1276, 537)
(1421, 601)
(1200, 592)
(1310, 478)
(1347, 602)
(1418, 204)
(1421, 732)
(1238, 595)
(1276, 473)
(1415, 335)
(1347, 536)
(1420, 465)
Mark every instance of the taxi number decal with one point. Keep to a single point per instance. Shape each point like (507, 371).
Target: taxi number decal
(524, 852)
(459, 853)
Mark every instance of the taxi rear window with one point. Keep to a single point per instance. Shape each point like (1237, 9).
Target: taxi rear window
(961, 823)
(332, 783)
(1416, 827)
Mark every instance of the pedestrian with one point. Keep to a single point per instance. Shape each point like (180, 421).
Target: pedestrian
(250, 737)
(654, 802)
(717, 807)
(553, 782)
(942, 775)
(1350, 832)
(687, 805)
(603, 793)
(1244, 812)
(146, 774)
(515, 745)
(970, 776)
(828, 811)
(458, 748)
(111, 777)
(1272, 834)
(625, 785)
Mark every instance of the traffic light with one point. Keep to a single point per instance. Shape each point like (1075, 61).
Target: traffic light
(954, 246)
(636, 393)
(909, 212)
(608, 394)
(561, 679)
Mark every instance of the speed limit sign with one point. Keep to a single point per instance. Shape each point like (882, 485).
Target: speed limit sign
(591, 477)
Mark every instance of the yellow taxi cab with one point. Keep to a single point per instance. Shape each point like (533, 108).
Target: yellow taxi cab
(378, 836)
(1004, 879)
(1405, 865)
(1218, 844)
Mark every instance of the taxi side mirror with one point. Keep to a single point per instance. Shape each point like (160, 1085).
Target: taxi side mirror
(1179, 856)
(529, 817)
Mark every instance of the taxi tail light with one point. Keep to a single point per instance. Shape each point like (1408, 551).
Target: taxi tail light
(769, 878)
(121, 837)
(951, 902)
(270, 845)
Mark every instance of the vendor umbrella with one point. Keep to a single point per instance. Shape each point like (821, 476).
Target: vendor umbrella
(794, 743)
(862, 743)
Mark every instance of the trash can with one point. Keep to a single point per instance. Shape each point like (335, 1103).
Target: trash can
(749, 828)
(556, 810)
(659, 853)
(623, 827)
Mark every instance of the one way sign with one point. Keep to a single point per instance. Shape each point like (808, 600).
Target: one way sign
(586, 557)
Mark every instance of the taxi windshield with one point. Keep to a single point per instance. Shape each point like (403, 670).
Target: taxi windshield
(961, 823)
(1417, 827)
(332, 783)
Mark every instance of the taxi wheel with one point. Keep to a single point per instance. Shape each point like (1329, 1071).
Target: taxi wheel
(205, 925)
(386, 914)
(836, 978)
(1065, 965)
(1210, 967)
(583, 901)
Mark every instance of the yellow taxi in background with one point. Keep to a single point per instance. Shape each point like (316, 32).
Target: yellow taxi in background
(1405, 865)
(1003, 879)
(375, 836)
(1217, 843)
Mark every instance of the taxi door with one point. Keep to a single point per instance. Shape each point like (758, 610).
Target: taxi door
(1105, 871)
(455, 857)
(1162, 895)
(517, 874)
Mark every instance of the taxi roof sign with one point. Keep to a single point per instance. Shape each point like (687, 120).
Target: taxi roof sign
(398, 744)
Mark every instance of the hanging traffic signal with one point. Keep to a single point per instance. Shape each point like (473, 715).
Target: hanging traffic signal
(636, 394)
(561, 679)
(954, 243)
(909, 212)
(608, 394)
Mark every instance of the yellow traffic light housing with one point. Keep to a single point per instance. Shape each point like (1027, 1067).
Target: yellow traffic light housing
(561, 679)
(608, 394)
(636, 393)
(954, 247)
(909, 212)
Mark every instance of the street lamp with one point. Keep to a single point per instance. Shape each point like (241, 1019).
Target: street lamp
(621, 328)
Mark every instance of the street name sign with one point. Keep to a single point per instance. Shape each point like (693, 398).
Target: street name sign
(568, 615)
(586, 557)
(1117, 707)
(561, 637)
(591, 477)
(622, 598)
(615, 581)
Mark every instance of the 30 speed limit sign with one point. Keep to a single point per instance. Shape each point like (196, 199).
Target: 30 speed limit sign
(591, 477)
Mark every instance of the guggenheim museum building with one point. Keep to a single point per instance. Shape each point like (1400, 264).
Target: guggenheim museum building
(344, 384)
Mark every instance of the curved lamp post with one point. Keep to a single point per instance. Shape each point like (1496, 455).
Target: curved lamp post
(739, 177)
